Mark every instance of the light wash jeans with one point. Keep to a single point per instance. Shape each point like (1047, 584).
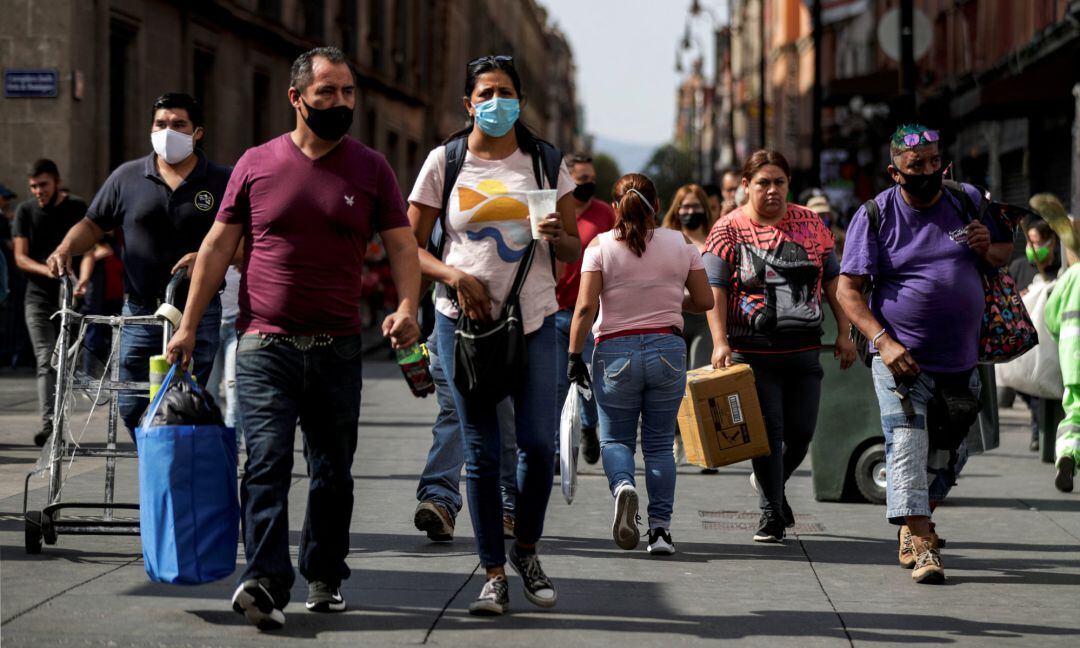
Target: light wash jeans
(441, 480)
(915, 473)
(224, 371)
(640, 377)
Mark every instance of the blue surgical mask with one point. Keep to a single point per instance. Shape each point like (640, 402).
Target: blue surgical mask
(497, 116)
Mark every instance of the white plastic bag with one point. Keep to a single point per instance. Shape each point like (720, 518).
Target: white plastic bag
(569, 438)
(1037, 372)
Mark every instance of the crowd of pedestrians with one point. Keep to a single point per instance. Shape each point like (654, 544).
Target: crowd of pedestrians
(621, 298)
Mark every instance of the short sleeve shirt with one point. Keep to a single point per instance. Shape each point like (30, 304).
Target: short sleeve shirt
(597, 218)
(159, 225)
(44, 228)
(307, 224)
(488, 229)
(773, 274)
(641, 292)
(927, 287)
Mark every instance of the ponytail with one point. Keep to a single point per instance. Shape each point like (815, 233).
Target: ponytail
(635, 209)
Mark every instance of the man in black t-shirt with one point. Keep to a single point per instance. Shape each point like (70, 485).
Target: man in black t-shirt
(40, 224)
(163, 204)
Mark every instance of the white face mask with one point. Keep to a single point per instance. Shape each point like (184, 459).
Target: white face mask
(172, 146)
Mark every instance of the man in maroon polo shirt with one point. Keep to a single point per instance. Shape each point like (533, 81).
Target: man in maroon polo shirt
(305, 204)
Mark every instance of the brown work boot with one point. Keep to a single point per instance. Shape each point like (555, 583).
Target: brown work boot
(928, 568)
(435, 520)
(907, 550)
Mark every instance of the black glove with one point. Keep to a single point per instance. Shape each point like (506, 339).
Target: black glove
(577, 371)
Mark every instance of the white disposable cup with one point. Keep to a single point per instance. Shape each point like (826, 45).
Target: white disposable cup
(541, 203)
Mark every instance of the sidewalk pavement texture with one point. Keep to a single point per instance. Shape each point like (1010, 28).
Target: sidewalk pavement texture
(1012, 559)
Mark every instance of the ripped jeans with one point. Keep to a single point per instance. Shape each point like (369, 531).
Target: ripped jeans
(915, 474)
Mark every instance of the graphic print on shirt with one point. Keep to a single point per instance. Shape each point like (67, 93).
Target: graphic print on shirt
(776, 272)
(490, 210)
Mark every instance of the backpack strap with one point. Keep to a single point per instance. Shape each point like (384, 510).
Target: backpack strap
(455, 159)
(970, 211)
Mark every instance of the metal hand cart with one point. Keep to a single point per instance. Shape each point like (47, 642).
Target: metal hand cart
(48, 523)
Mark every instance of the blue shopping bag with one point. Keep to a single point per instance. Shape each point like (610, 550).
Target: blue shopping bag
(188, 506)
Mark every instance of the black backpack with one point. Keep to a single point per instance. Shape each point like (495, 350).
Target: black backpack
(969, 210)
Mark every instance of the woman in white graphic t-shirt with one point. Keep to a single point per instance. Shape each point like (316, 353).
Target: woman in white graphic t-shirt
(487, 233)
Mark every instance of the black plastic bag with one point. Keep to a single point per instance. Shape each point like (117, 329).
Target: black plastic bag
(185, 404)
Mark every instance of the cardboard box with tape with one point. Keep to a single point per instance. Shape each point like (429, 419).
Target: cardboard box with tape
(720, 417)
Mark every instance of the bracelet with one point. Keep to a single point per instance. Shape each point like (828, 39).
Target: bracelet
(877, 337)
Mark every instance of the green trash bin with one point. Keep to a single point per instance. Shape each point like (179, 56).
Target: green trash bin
(847, 454)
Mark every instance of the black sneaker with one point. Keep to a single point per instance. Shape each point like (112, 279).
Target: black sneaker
(253, 600)
(435, 520)
(590, 445)
(494, 599)
(538, 587)
(324, 597)
(771, 529)
(42, 435)
(660, 543)
(1066, 469)
(787, 513)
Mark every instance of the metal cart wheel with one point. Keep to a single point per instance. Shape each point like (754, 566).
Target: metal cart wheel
(870, 473)
(32, 532)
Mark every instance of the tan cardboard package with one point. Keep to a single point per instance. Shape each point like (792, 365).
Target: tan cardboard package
(720, 418)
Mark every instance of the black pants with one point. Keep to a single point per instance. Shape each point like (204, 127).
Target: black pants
(789, 389)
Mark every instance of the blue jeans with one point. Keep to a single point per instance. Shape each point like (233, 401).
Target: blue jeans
(588, 405)
(916, 474)
(225, 372)
(441, 479)
(276, 385)
(640, 376)
(138, 343)
(534, 419)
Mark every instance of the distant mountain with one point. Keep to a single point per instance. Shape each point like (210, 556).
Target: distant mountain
(631, 157)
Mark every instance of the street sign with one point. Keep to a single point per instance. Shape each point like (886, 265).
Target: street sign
(888, 33)
(31, 83)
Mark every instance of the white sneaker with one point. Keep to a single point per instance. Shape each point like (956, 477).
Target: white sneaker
(254, 601)
(624, 529)
(660, 543)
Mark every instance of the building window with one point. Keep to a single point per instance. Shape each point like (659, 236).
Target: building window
(203, 77)
(376, 32)
(122, 79)
(260, 106)
(314, 19)
(347, 25)
(392, 153)
(401, 40)
(371, 133)
(271, 9)
(412, 159)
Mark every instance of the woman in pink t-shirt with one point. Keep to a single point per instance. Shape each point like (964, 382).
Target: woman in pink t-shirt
(635, 275)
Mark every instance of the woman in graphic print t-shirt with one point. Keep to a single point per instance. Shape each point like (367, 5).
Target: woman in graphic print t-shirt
(487, 233)
(769, 264)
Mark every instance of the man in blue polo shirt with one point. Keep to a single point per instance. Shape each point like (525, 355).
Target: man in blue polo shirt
(164, 204)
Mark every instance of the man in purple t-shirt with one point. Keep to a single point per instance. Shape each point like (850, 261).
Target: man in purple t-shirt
(924, 260)
(305, 204)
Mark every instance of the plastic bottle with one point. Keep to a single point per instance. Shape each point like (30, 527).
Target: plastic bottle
(413, 361)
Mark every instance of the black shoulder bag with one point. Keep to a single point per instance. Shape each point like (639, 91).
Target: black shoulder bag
(490, 358)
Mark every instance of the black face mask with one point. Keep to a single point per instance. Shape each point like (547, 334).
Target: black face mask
(692, 220)
(924, 187)
(329, 124)
(584, 191)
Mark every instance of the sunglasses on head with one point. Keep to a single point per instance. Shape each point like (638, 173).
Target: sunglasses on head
(491, 59)
(925, 137)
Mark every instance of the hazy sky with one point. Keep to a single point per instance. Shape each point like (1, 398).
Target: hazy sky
(625, 56)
